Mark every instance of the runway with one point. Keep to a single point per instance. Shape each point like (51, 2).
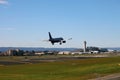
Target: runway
(40, 60)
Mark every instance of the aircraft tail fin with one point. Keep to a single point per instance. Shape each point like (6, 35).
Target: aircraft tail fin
(50, 37)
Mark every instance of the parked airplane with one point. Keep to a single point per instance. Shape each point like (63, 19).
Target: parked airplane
(56, 40)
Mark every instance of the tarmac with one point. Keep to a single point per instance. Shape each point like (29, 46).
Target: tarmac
(115, 76)
(39, 60)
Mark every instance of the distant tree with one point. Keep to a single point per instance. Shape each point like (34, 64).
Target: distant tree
(32, 53)
(21, 52)
(14, 53)
(93, 49)
(103, 50)
(26, 51)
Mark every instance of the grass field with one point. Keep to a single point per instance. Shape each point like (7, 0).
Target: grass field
(81, 69)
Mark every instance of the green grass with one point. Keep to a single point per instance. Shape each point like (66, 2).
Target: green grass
(83, 69)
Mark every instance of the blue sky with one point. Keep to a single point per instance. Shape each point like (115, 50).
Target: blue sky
(26, 23)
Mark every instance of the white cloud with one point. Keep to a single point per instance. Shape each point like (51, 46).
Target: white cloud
(4, 2)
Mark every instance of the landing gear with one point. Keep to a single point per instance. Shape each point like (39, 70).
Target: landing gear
(52, 43)
(60, 43)
(64, 41)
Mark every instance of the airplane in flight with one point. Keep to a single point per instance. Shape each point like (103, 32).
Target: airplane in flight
(59, 40)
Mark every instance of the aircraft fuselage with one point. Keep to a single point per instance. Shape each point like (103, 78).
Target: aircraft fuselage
(56, 40)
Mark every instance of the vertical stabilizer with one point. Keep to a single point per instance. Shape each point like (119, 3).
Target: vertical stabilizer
(50, 37)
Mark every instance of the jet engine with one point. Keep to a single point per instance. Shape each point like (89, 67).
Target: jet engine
(64, 41)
